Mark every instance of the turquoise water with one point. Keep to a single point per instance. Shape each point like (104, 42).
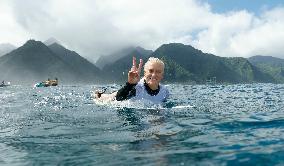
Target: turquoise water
(199, 125)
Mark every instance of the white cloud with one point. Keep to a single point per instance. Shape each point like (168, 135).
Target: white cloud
(10, 31)
(93, 28)
(244, 34)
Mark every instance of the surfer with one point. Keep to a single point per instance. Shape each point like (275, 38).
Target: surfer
(148, 87)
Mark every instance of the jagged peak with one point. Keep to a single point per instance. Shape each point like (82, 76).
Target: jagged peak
(32, 44)
(32, 41)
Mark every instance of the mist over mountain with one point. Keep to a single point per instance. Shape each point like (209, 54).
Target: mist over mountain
(35, 62)
(6, 48)
(51, 41)
(109, 59)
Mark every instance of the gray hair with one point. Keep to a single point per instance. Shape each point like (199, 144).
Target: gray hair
(153, 60)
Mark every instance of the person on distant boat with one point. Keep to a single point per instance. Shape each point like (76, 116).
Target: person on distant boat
(148, 87)
(3, 82)
(46, 83)
(54, 82)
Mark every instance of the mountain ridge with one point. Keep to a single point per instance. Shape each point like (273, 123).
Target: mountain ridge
(204, 66)
(34, 61)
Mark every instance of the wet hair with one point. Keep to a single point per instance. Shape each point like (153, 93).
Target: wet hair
(153, 60)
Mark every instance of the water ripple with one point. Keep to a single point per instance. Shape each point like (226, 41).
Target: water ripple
(238, 124)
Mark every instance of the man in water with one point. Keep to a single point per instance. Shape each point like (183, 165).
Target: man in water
(148, 87)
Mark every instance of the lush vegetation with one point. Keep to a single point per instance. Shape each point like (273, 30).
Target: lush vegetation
(270, 65)
(192, 65)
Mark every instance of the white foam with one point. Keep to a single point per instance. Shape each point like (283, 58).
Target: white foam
(182, 106)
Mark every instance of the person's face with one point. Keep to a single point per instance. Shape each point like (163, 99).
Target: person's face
(154, 74)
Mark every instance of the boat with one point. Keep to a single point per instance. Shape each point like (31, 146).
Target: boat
(3, 84)
(40, 84)
(47, 83)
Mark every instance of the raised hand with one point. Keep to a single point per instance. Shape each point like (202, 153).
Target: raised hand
(134, 73)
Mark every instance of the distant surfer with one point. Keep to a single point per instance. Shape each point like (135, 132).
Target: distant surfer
(148, 88)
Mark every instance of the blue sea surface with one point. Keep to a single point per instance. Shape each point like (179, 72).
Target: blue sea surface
(239, 124)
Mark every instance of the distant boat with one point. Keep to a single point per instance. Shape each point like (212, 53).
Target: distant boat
(3, 84)
(40, 84)
(47, 83)
(211, 81)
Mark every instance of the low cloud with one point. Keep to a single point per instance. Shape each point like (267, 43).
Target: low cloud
(94, 28)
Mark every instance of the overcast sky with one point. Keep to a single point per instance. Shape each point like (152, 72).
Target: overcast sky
(97, 27)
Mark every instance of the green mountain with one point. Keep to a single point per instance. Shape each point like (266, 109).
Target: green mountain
(88, 72)
(34, 62)
(187, 64)
(269, 65)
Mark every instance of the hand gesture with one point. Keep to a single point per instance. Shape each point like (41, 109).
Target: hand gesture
(134, 73)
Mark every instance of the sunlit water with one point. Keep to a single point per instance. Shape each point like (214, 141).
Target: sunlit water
(199, 125)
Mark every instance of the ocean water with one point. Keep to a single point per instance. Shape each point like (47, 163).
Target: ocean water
(239, 124)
